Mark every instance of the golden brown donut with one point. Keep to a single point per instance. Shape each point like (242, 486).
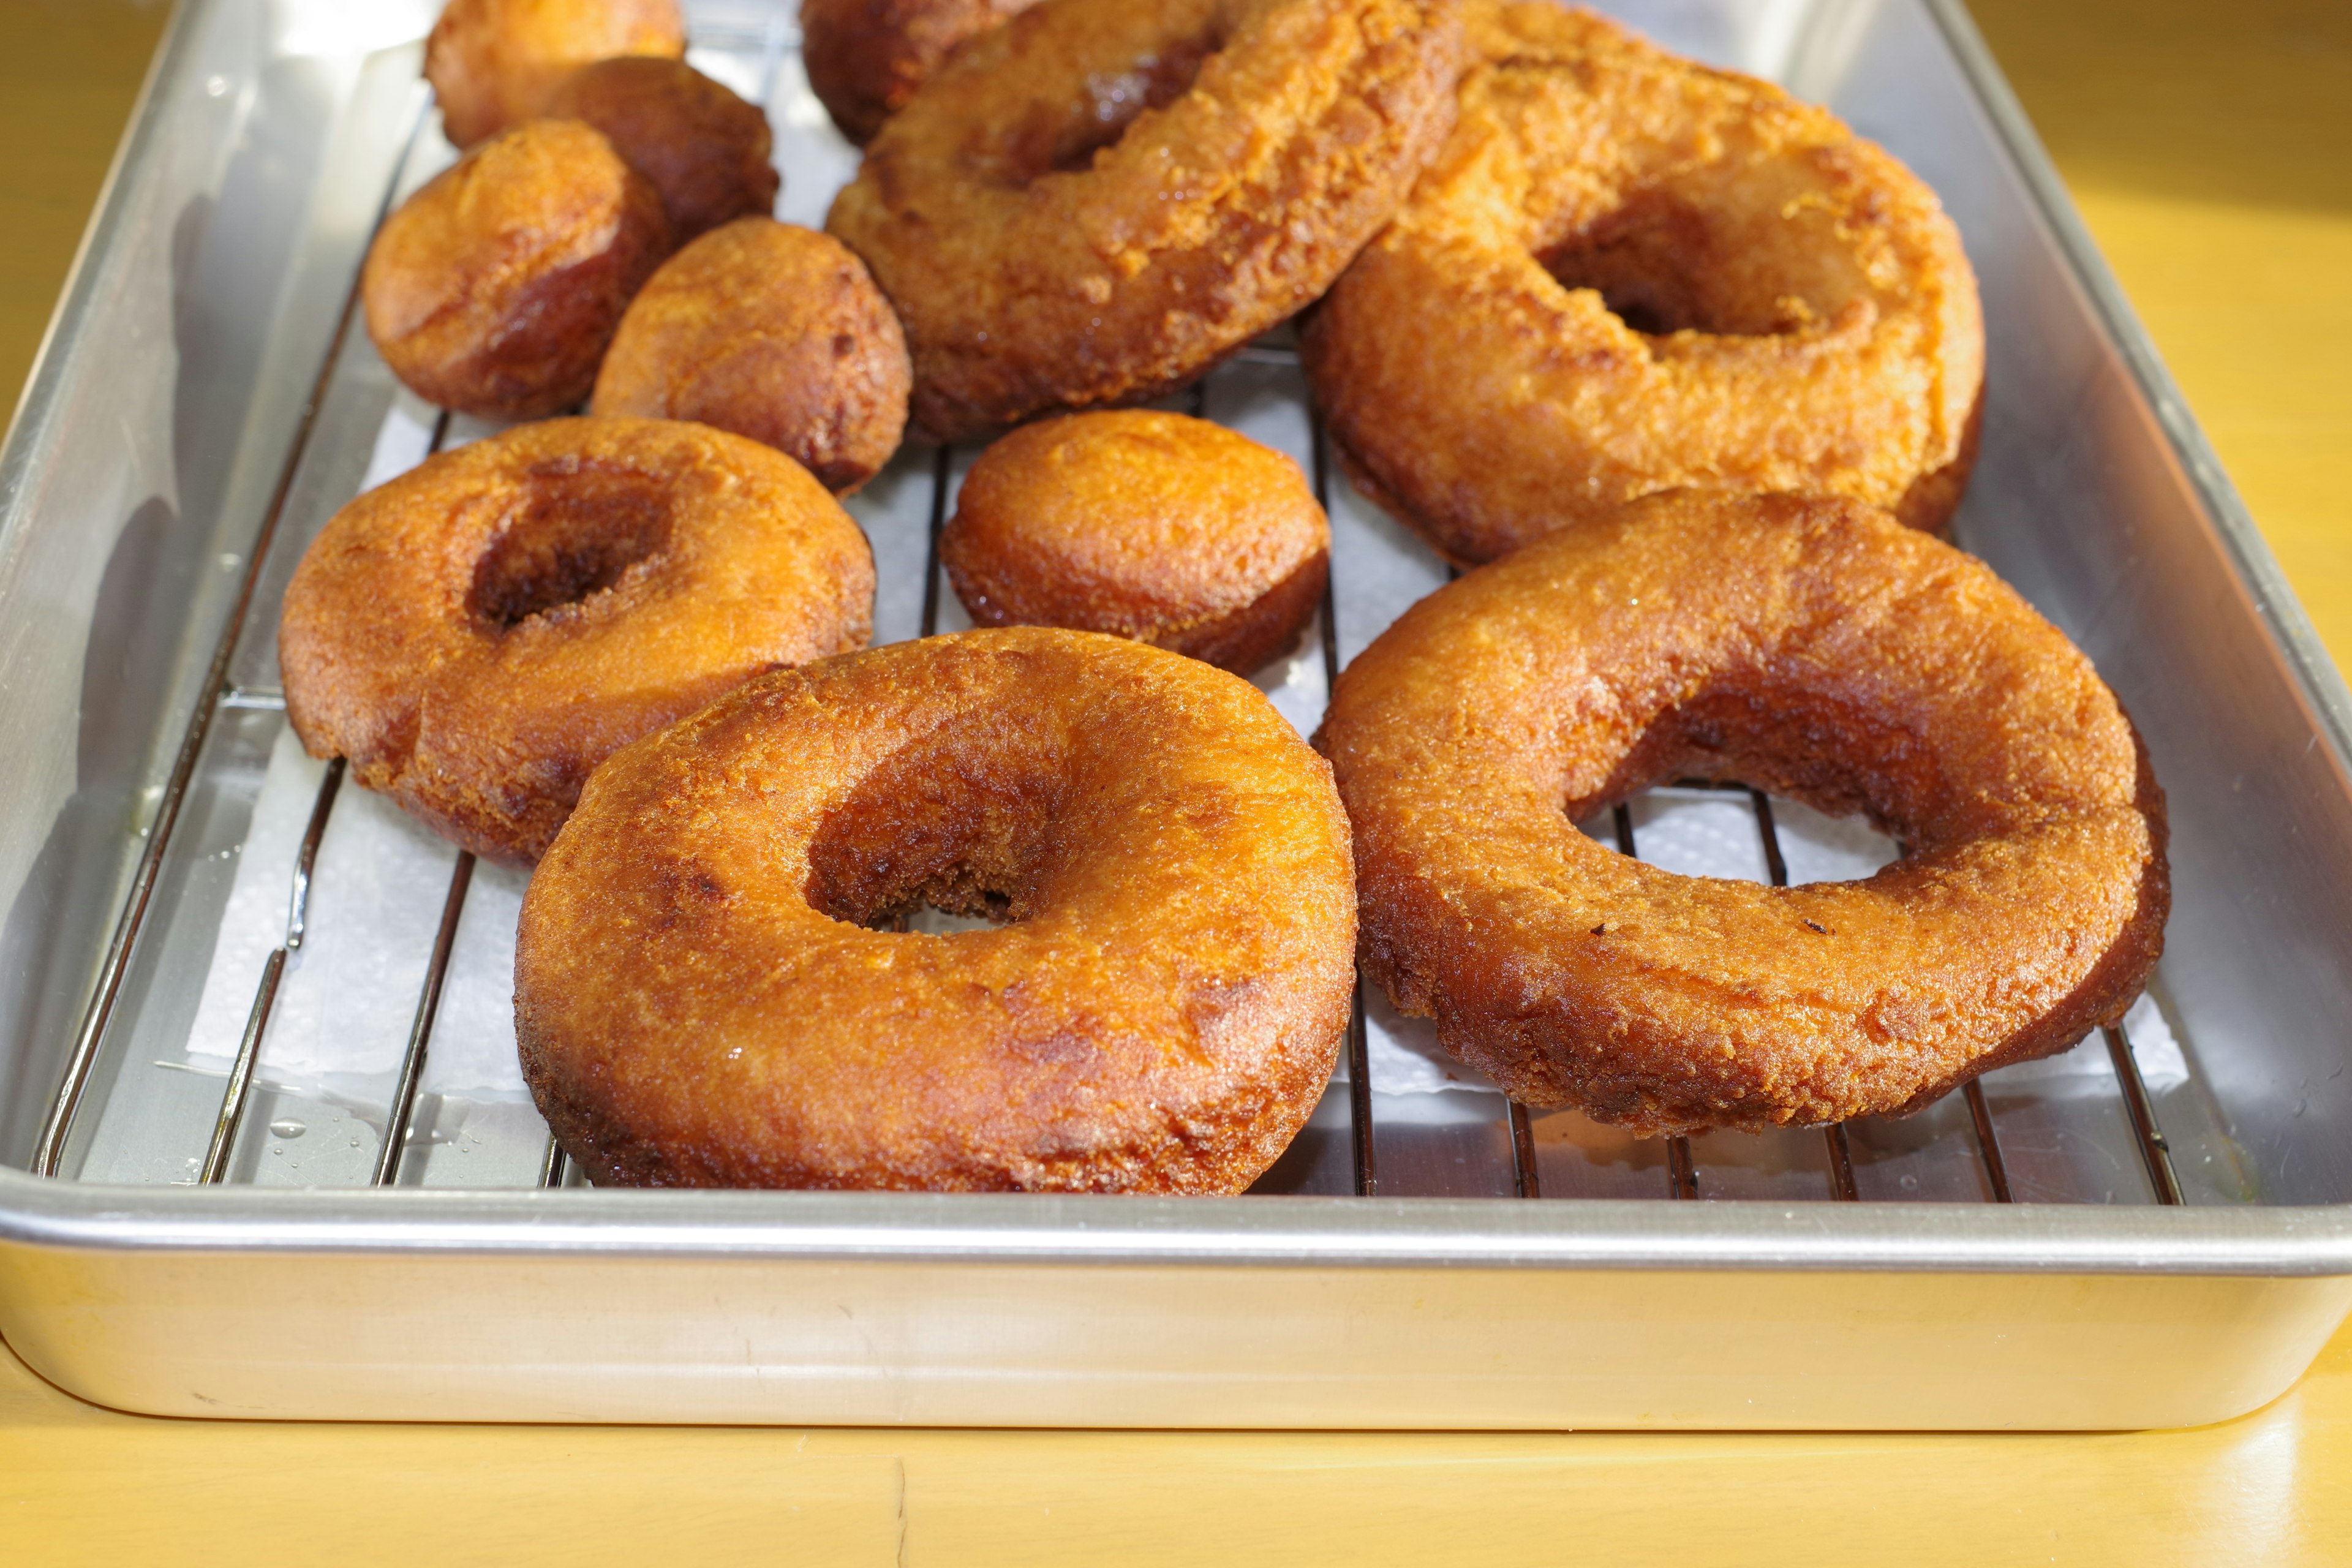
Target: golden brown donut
(866, 57)
(1819, 649)
(478, 634)
(705, 150)
(495, 288)
(1094, 204)
(496, 63)
(1627, 273)
(702, 999)
(1171, 531)
(772, 332)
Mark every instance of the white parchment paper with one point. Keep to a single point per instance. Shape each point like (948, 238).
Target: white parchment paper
(350, 997)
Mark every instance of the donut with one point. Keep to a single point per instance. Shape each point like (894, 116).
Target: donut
(1814, 647)
(705, 150)
(476, 636)
(866, 57)
(702, 997)
(494, 290)
(496, 63)
(1094, 204)
(1171, 531)
(772, 332)
(1627, 273)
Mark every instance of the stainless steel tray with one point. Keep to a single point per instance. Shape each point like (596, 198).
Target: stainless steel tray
(2153, 1230)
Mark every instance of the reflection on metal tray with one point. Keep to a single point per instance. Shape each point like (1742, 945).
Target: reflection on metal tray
(281, 983)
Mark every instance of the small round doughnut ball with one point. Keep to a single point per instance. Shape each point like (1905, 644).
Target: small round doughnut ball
(495, 290)
(705, 150)
(478, 635)
(708, 993)
(1171, 531)
(1814, 647)
(866, 57)
(772, 332)
(496, 63)
(1094, 204)
(1627, 273)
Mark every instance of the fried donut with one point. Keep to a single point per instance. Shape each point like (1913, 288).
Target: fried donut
(496, 63)
(702, 999)
(1627, 273)
(866, 57)
(1094, 204)
(705, 150)
(495, 288)
(478, 634)
(772, 332)
(1817, 649)
(1171, 531)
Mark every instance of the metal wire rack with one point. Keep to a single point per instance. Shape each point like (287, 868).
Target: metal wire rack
(1355, 1101)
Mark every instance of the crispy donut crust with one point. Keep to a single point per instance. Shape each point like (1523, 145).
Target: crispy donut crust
(478, 634)
(1816, 648)
(1095, 203)
(866, 57)
(705, 150)
(496, 63)
(1171, 531)
(700, 1001)
(495, 288)
(772, 332)
(1481, 386)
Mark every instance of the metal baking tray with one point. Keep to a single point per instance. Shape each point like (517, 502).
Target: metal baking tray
(262, 1153)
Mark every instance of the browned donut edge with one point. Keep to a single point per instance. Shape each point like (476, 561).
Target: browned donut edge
(1934, 496)
(2115, 982)
(1928, 505)
(611, 1153)
(1241, 640)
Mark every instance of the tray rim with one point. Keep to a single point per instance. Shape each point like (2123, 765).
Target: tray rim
(2316, 678)
(2297, 1241)
(2278, 1241)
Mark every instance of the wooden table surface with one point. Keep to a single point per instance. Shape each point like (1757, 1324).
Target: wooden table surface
(2211, 149)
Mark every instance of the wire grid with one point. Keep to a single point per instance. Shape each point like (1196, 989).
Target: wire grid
(771, 41)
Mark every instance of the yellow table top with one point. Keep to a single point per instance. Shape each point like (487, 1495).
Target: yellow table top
(2211, 150)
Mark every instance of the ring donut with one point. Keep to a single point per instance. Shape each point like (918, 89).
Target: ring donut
(1095, 202)
(1819, 649)
(1627, 273)
(866, 57)
(701, 998)
(478, 634)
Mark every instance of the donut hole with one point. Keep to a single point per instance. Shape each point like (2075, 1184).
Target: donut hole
(1664, 263)
(965, 829)
(1835, 756)
(573, 537)
(1108, 103)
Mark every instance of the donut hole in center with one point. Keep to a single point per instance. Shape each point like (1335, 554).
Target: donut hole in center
(1835, 756)
(573, 536)
(1663, 264)
(964, 829)
(1108, 105)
